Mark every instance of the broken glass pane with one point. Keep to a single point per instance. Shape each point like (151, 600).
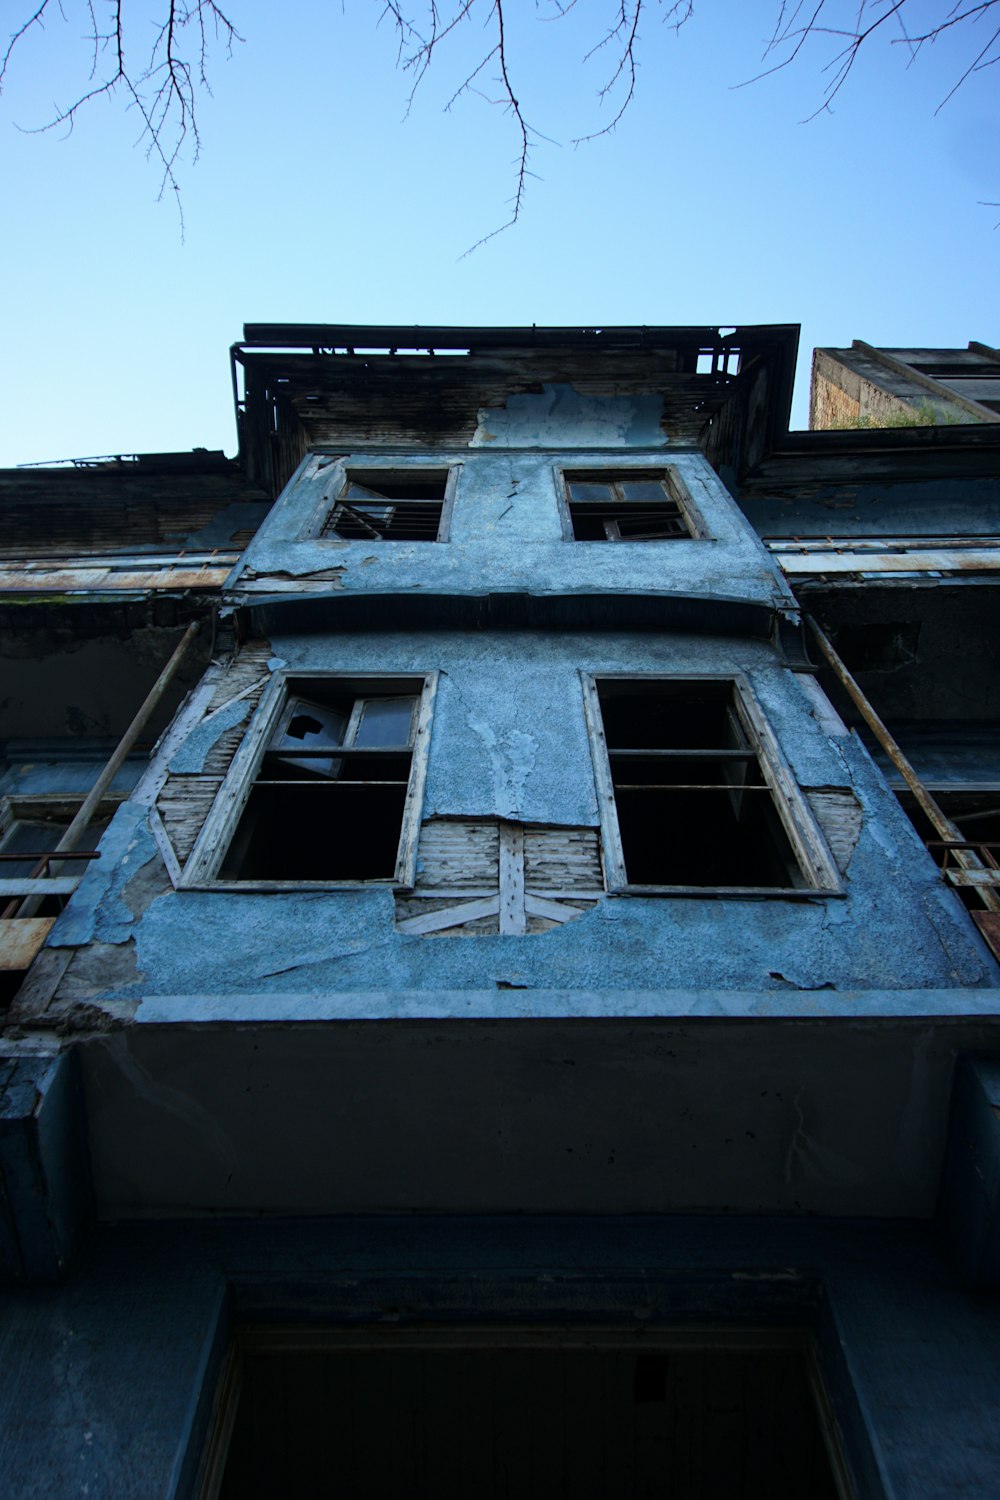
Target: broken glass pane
(310, 726)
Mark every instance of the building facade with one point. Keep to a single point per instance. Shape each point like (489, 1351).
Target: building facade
(528, 1024)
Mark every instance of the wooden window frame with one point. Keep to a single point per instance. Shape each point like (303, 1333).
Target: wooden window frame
(668, 475)
(344, 471)
(815, 861)
(212, 844)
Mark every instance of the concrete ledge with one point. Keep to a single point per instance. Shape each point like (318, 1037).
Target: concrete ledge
(290, 1006)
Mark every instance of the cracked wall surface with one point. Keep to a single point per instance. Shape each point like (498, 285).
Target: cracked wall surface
(509, 740)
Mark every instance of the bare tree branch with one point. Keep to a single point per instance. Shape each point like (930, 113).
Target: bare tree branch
(510, 102)
(163, 87)
(163, 80)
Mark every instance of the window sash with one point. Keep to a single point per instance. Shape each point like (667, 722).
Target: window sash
(619, 514)
(211, 848)
(352, 492)
(816, 865)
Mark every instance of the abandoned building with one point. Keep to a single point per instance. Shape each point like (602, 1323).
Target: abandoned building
(869, 387)
(501, 922)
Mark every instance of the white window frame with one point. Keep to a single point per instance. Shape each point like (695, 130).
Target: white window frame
(212, 844)
(668, 474)
(816, 863)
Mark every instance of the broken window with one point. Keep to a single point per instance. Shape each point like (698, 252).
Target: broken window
(335, 786)
(642, 506)
(389, 505)
(695, 794)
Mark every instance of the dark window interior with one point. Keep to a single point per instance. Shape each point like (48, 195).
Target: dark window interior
(626, 508)
(315, 815)
(694, 808)
(389, 506)
(517, 1424)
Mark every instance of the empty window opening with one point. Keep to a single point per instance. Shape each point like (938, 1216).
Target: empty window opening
(694, 805)
(330, 796)
(389, 506)
(525, 1423)
(642, 507)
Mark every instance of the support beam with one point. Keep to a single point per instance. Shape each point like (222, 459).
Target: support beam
(970, 1185)
(965, 858)
(71, 838)
(44, 1165)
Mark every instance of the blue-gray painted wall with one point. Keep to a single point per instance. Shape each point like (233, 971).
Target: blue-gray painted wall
(108, 1380)
(509, 740)
(507, 535)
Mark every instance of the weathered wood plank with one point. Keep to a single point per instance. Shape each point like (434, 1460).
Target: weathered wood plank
(538, 906)
(40, 885)
(838, 813)
(21, 938)
(450, 916)
(512, 914)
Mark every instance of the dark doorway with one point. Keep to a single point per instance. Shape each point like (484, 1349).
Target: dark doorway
(540, 1415)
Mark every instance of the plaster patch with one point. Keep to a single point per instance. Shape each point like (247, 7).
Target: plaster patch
(126, 834)
(98, 970)
(190, 757)
(560, 417)
(511, 757)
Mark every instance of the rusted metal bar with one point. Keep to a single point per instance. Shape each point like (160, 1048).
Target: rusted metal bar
(950, 832)
(46, 857)
(92, 801)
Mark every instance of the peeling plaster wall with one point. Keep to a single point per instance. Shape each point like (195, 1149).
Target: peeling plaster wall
(509, 740)
(506, 535)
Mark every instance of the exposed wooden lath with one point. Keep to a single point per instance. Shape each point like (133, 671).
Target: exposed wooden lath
(185, 799)
(478, 876)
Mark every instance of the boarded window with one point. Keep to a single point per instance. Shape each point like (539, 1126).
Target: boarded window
(643, 506)
(387, 505)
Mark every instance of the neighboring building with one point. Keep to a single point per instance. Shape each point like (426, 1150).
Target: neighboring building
(867, 387)
(514, 1039)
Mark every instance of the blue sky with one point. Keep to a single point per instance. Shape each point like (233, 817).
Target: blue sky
(315, 200)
